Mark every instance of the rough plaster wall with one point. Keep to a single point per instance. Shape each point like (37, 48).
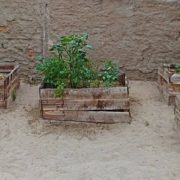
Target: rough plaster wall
(20, 33)
(139, 34)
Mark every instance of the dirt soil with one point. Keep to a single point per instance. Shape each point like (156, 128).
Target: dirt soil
(146, 149)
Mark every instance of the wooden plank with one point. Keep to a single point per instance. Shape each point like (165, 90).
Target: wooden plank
(177, 114)
(10, 83)
(168, 90)
(169, 83)
(14, 70)
(168, 95)
(88, 116)
(2, 103)
(176, 87)
(97, 104)
(168, 76)
(88, 93)
(6, 66)
(178, 100)
(14, 86)
(12, 74)
(2, 96)
(94, 105)
(5, 71)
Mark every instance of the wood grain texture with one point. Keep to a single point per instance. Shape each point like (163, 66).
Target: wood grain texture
(88, 116)
(9, 83)
(97, 104)
(92, 105)
(177, 115)
(88, 93)
(168, 89)
(171, 77)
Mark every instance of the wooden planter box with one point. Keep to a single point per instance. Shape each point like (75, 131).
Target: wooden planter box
(169, 83)
(9, 82)
(177, 108)
(92, 105)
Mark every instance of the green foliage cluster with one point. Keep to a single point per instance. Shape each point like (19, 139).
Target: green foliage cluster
(177, 68)
(110, 74)
(69, 67)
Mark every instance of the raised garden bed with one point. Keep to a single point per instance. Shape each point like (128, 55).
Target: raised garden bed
(9, 83)
(94, 105)
(177, 111)
(169, 82)
(75, 89)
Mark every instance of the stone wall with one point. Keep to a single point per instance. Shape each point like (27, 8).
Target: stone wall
(139, 34)
(20, 33)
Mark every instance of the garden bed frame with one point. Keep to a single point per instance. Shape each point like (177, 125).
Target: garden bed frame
(91, 105)
(9, 84)
(177, 109)
(168, 83)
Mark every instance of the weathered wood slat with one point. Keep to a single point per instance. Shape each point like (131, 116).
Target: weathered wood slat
(92, 105)
(6, 71)
(91, 93)
(88, 116)
(8, 84)
(97, 104)
(1, 96)
(168, 76)
(2, 103)
(177, 114)
(173, 86)
(14, 70)
(14, 87)
(169, 84)
(12, 83)
(168, 94)
(178, 100)
(176, 87)
(177, 107)
(6, 67)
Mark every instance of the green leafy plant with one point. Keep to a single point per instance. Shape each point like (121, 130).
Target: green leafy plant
(68, 66)
(110, 74)
(72, 50)
(60, 90)
(177, 68)
(53, 71)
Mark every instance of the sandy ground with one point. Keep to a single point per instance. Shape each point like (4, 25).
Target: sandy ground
(147, 149)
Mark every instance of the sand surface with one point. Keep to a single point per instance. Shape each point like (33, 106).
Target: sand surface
(147, 149)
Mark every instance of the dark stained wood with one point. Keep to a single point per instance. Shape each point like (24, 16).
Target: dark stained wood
(168, 88)
(9, 83)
